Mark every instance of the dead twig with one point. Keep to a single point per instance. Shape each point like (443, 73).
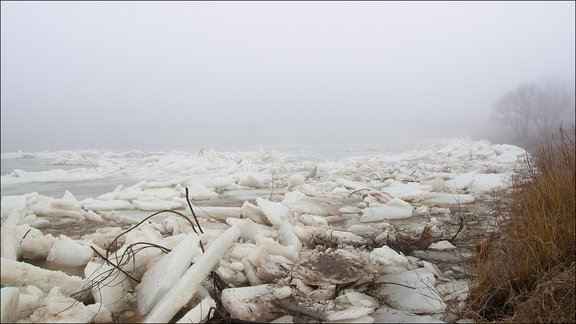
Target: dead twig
(358, 190)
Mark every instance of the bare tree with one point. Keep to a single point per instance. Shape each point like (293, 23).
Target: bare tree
(542, 106)
(516, 108)
(553, 103)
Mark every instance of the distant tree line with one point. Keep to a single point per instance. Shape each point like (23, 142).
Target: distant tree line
(537, 106)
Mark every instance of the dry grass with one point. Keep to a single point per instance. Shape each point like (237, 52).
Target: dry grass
(527, 275)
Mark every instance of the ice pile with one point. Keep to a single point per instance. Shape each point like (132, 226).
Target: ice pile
(310, 239)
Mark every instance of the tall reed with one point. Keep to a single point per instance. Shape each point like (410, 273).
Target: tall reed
(527, 274)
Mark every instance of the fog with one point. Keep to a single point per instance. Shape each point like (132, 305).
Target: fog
(166, 75)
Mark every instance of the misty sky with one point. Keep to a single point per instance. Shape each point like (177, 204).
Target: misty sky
(163, 75)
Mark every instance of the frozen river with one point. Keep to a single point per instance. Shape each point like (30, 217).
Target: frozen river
(284, 229)
(70, 160)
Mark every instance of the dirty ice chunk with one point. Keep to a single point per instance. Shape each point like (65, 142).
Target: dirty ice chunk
(284, 319)
(360, 299)
(68, 202)
(254, 303)
(92, 216)
(313, 220)
(353, 184)
(349, 313)
(61, 309)
(10, 299)
(200, 312)
(385, 314)
(457, 289)
(30, 299)
(241, 302)
(334, 236)
(441, 246)
(361, 319)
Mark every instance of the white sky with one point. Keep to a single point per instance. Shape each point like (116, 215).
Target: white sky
(140, 75)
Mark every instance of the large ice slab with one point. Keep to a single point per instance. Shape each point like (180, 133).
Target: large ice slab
(19, 176)
(14, 208)
(188, 284)
(109, 286)
(197, 191)
(407, 191)
(487, 182)
(164, 274)
(200, 312)
(156, 204)
(9, 301)
(59, 308)
(16, 273)
(413, 291)
(447, 199)
(275, 212)
(376, 214)
(299, 202)
(253, 303)
(388, 257)
(386, 314)
(98, 205)
(68, 252)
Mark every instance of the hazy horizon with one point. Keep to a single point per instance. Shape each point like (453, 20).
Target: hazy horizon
(163, 75)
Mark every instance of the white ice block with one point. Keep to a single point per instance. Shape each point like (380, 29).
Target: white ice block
(110, 286)
(164, 274)
(16, 273)
(9, 301)
(187, 286)
(68, 252)
(275, 212)
(13, 208)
